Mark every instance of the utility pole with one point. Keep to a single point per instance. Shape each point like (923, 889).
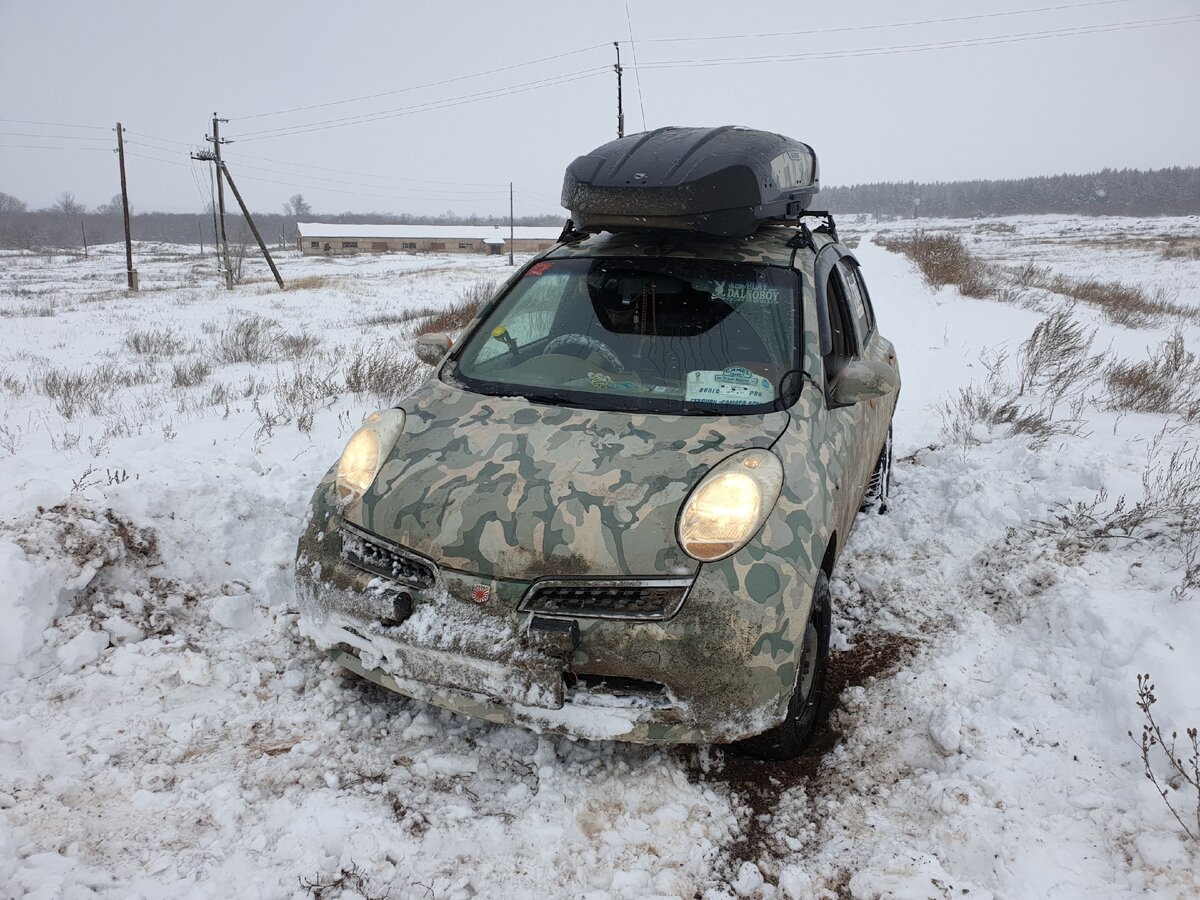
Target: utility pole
(511, 229)
(254, 228)
(84, 230)
(200, 232)
(130, 273)
(620, 107)
(216, 142)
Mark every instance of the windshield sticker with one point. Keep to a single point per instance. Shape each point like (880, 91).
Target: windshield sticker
(745, 292)
(604, 382)
(735, 386)
(538, 269)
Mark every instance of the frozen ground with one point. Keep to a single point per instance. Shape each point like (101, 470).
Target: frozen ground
(165, 733)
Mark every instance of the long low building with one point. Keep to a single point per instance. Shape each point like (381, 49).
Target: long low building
(319, 238)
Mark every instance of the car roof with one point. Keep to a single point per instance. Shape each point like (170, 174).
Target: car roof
(771, 245)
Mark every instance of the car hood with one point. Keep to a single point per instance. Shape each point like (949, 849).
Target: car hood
(505, 488)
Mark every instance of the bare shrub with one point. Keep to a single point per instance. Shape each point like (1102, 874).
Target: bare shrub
(1168, 382)
(1057, 360)
(943, 259)
(1168, 511)
(1181, 784)
(1181, 248)
(89, 391)
(253, 339)
(190, 373)
(12, 384)
(299, 346)
(383, 371)
(297, 396)
(1131, 306)
(155, 342)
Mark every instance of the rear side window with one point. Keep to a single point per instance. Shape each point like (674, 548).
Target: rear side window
(843, 346)
(858, 285)
(856, 300)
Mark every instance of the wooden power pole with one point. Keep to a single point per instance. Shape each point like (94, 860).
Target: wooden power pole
(254, 228)
(510, 225)
(216, 141)
(130, 272)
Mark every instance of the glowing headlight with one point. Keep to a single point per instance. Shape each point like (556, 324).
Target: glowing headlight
(729, 505)
(366, 451)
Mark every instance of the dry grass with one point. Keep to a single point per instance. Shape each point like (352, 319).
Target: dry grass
(1168, 382)
(383, 371)
(29, 311)
(253, 339)
(1057, 361)
(189, 374)
(299, 346)
(155, 342)
(1054, 364)
(1181, 248)
(308, 283)
(91, 391)
(943, 259)
(1168, 512)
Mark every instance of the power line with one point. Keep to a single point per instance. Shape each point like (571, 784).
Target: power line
(57, 137)
(429, 84)
(378, 195)
(161, 140)
(918, 48)
(169, 162)
(49, 147)
(636, 73)
(244, 165)
(369, 174)
(884, 26)
(425, 107)
(56, 124)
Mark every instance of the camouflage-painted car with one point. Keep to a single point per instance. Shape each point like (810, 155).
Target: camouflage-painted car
(613, 507)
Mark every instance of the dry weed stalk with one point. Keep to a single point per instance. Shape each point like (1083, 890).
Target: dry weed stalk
(1167, 382)
(1182, 773)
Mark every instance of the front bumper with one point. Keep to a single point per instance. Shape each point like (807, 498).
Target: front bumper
(721, 669)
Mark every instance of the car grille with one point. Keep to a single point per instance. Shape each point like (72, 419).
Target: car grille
(373, 554)
(651, 598)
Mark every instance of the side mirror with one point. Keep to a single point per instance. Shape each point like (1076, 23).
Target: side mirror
(864, 379)
(430, 348)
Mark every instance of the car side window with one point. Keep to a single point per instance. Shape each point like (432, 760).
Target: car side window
(856, 271)
(844, 346)
(856, 299)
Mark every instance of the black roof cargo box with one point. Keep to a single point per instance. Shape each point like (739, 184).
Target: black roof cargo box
(721, 181)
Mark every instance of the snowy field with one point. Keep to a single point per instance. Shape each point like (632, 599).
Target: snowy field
(165, 732)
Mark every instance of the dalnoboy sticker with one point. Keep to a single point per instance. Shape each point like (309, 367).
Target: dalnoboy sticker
(736, 386)
(745, 292)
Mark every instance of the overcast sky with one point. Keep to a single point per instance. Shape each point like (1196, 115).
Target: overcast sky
(998, 95)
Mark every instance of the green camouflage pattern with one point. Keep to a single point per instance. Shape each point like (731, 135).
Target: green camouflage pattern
(500, 492)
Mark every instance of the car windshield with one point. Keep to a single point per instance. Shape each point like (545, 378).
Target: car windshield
(674, 336)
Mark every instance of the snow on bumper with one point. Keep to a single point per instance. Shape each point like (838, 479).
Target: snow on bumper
(485, 661)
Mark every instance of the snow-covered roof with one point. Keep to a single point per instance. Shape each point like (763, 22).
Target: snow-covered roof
(435, 232)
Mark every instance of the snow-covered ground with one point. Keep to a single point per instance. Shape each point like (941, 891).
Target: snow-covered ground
(164, 731)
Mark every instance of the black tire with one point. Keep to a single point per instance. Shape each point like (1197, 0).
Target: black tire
(879, 488)
(791, 737)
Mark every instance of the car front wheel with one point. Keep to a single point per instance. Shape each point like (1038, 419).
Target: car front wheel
(789, 738)
(880, 485)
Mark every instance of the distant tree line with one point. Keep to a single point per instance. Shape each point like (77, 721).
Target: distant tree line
(1129, 192)
(1111, 192)
(66, 222)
